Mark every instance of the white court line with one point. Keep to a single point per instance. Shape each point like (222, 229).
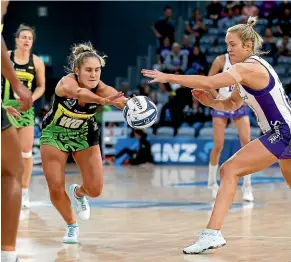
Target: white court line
(147, 234)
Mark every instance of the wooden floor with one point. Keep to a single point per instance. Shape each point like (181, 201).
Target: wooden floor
(151, 213)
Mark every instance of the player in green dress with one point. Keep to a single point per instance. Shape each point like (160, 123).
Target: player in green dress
(30, 70)
(71, 127)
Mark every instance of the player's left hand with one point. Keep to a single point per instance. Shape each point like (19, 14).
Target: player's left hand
(111, 99)
(156, 75)
(203, 96)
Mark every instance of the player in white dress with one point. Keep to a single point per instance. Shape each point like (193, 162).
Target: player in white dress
(220, 119)
(258, 85)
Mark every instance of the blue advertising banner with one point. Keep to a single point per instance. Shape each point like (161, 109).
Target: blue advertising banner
(176, 151)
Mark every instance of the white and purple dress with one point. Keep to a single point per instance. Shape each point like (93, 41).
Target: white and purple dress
(272, 108)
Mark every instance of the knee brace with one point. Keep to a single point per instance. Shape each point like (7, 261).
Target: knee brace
(27, 154)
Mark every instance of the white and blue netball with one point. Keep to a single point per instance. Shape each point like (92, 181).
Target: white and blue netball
(140, 112)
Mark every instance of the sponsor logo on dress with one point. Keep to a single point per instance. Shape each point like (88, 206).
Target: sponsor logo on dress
(70, 103)
(71, 123)
(276, 135)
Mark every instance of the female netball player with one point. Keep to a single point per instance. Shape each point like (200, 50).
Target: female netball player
(30, 70)
(258, 85)
(11, 161)
(219, 120)
(70, 127)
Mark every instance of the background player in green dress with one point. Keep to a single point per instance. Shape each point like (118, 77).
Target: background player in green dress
(71, 127)
(30, 70)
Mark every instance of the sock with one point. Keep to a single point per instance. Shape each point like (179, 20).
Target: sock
(212, 172)
(73, 225)
(247, 181)
(212, 231)
(8, 256)
(24, 191)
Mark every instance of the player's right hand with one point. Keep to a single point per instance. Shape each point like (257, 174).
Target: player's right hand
(25, 96)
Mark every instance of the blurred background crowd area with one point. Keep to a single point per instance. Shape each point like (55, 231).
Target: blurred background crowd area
(201, 41)
(185, 39)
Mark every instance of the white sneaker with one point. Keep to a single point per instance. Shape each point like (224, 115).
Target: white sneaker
(214, 189)
(248, 194)
(72, 235)
(207, 239)
(9, 256)
(80, 204)
(25, 200)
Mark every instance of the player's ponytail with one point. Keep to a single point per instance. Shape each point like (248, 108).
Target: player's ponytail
(79, 53)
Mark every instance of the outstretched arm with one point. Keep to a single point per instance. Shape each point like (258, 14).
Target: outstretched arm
(192, 81)
(69, 87)
(106, 91)
(231, 103)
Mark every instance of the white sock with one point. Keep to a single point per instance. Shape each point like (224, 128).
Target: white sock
(8, 256)
(24, 191)
(247, 181)
(211, 231)
(212, 172)
(73, 225)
